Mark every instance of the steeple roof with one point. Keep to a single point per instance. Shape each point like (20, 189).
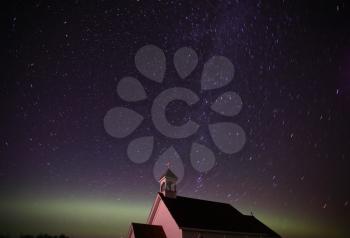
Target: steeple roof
(169, 174)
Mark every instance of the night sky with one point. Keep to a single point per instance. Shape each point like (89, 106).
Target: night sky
(62, 172)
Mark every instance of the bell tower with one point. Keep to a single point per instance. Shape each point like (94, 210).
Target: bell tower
(167, 184)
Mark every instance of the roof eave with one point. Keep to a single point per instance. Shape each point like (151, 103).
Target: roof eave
(230, 232)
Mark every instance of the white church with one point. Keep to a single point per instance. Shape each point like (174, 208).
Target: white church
(174, 216)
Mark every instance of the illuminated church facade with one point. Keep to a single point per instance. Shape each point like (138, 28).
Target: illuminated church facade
(174, 216)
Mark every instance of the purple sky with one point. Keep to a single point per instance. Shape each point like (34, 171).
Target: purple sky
(62, 63)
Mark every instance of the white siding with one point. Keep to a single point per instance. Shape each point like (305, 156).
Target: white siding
(163, 217)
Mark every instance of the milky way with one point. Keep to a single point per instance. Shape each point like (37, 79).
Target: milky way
(61, 69)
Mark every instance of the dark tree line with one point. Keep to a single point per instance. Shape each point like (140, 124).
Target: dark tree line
(36, 236)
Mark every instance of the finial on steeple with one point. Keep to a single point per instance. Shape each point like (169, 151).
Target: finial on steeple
(168, 164)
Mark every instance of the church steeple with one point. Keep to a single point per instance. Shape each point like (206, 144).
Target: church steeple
(167, 184)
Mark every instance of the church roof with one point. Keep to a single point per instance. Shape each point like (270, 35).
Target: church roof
(168, 173)
(147, 231)
(199, 214)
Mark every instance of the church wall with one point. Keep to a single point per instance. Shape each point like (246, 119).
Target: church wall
(164, 218)
(131, 233)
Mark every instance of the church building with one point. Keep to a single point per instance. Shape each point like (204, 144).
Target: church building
(174, 216)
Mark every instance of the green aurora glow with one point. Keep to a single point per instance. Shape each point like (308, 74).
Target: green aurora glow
(106, 218)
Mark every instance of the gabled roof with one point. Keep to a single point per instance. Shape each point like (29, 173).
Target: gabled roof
(190, 213)
(169, 174)
(147, 231)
